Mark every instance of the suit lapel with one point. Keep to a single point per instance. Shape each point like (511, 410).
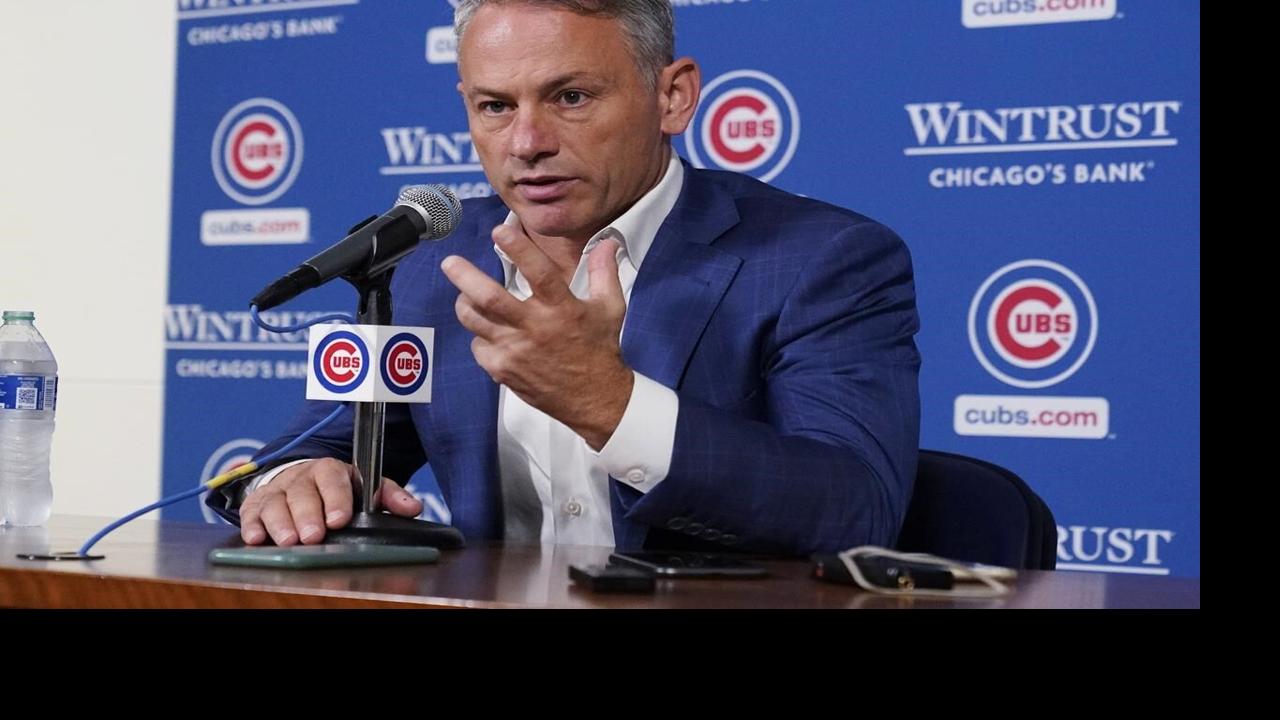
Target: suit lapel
(681, 283)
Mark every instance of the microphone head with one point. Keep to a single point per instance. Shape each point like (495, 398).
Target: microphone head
(440, 209)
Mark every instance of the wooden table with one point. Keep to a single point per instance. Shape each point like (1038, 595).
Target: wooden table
(152, 564)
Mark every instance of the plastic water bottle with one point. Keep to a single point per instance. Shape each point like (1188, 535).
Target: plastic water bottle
(28, 394)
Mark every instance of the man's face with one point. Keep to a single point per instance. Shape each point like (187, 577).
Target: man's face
(566, 127)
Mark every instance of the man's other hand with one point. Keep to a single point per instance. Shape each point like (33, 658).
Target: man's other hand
(299, 504)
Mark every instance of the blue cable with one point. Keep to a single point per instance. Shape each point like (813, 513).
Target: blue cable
(84, 549)
(271, 457)
(340, 317)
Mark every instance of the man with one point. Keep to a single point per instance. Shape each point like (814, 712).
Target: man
(630, 351)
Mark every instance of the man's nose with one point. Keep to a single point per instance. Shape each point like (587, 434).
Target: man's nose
(534, 135)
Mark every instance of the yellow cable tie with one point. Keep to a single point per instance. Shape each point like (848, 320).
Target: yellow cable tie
(226, 477)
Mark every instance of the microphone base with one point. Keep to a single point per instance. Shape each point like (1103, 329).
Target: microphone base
(383, 529)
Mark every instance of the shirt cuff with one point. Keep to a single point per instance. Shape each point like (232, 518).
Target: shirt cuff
(268, 476)
(639, 452)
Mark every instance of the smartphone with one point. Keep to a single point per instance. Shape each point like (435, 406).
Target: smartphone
(611, 578)
(302, 557)
(690, 564)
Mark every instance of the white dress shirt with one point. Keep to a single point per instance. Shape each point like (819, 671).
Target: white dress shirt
(555, 488)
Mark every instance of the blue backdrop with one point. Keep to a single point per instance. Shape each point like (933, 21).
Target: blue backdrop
(1040, 157)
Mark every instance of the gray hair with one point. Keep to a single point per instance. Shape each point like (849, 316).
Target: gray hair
(649, 26)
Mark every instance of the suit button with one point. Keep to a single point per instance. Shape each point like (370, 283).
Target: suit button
(677, 523)
(729, 539)
(710, 534)
(694, 528)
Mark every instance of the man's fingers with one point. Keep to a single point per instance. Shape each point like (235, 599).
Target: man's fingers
(543, 275)
(473, 320)
(487, 296)
(602, 275)
(299, 504)
(333, 481)
(307, 510)
(278, 520)
(252, 531)
(397, 501)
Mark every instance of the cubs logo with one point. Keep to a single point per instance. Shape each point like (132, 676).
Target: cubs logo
(747, 122)
(404, 364)
(257, 151)
(1033, 323)
(341, 361)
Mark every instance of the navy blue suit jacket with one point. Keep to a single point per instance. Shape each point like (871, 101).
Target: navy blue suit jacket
(784, 324)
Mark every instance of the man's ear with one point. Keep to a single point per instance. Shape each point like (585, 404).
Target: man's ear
(679, 87)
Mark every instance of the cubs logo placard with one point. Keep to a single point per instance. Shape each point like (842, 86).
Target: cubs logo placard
(338, 367)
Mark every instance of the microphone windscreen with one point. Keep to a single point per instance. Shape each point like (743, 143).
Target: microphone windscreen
(440, 208)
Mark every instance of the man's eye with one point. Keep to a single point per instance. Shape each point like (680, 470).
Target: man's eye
(572, 97)
(493, 107)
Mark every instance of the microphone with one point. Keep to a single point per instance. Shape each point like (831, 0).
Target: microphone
(422, 212)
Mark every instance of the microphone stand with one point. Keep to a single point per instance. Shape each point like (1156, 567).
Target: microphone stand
(369, 525)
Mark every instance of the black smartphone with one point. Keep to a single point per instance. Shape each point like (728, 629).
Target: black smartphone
(301, 557)
(611, 578)
(690, 564)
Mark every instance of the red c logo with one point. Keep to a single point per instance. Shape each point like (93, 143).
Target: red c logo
(341, 369)
(718, 129)
(1005, 312)
(241, 150)
(404, 364)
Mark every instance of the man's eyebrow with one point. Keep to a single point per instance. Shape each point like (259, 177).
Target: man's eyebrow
(558, 81)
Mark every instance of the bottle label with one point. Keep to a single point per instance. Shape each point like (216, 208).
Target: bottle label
(28, 392)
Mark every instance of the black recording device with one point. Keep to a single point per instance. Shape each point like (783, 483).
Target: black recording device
(884, 572)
